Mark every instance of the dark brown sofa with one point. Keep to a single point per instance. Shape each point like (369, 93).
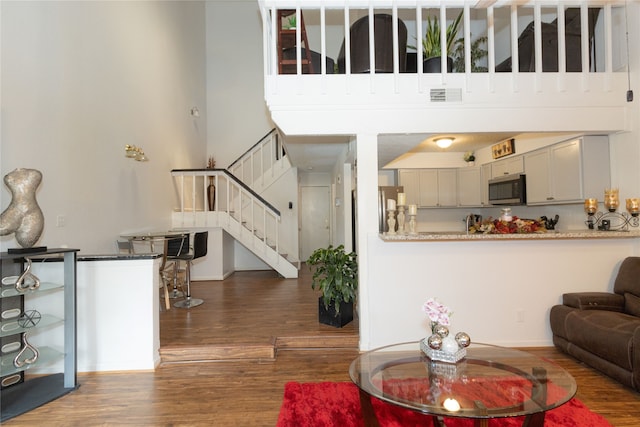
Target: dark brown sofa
(603, 329)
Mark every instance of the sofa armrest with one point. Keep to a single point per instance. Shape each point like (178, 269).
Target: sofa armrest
(594, 301)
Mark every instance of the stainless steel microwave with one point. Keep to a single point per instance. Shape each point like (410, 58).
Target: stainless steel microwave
(508, 190)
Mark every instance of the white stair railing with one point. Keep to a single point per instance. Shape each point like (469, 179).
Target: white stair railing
(263, 163)
(236, 208)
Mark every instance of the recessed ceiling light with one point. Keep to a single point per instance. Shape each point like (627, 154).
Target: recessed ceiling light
(444, 142)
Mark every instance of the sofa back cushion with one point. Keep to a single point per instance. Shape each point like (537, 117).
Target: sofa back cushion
(628, 279)
(631, 304)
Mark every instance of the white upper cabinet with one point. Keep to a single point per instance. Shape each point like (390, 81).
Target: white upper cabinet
(438, 188)
(537, 176)
(508, 166)
(568, 172)
(470, 186)
(485, 177)
(430, 188)
(409, 179)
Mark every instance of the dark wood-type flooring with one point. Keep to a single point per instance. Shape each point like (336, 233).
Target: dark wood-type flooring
(225, 363)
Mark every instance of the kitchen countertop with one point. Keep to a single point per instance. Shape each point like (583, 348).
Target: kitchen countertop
(439, 236)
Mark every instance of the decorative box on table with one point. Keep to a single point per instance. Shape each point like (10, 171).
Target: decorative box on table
(442, 356)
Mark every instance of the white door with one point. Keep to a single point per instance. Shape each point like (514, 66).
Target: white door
(314, 220)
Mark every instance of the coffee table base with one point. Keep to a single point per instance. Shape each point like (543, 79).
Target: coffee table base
(370, 419)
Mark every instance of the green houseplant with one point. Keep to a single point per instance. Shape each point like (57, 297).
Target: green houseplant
(335, 274)
(478, 52)
(431, 43)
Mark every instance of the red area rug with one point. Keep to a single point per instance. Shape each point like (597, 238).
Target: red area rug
(330, 404)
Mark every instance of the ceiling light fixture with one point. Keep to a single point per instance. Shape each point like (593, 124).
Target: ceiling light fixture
(444, 142)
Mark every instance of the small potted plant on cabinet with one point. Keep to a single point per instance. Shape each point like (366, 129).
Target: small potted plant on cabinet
(335, 274)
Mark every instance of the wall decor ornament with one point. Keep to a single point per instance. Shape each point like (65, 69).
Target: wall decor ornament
(211, 188)
(503, 148)
(23, 216)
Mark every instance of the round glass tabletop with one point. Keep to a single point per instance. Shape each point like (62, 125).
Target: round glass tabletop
(490, 382)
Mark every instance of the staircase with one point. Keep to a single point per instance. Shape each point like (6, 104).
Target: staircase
(237, 207)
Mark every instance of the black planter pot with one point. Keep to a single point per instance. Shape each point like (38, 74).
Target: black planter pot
(331, 318)
(433, 65)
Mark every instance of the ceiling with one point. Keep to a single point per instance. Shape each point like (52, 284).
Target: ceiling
(319, 153)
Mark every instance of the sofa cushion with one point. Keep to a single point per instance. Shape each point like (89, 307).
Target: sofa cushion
(604, 333)
(628, 277)
(631, 304)
(594, 301)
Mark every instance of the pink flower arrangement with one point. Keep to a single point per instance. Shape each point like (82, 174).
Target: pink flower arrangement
(438, 313)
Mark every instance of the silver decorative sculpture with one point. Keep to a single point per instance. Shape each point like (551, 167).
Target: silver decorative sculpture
(23, 216)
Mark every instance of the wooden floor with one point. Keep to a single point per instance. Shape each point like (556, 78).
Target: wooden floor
(247, 311)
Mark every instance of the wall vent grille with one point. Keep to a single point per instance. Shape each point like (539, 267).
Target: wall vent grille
(446, 95)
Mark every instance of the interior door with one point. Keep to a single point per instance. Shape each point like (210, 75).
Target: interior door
(315, 223)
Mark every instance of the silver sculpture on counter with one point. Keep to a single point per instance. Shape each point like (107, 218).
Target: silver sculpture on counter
(23, 216)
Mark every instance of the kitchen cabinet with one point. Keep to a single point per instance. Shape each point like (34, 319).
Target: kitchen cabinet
(438, 188)
(409, 179)
(509, 166)
(568, 172)
(430, 188)
(31, 315)
(470, 186)
(485, 176)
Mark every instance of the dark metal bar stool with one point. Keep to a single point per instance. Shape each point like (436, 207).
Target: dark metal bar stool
(200, 240)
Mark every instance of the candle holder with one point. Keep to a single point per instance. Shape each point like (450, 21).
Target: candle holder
(412, 224)
(612, 220)
(611, 199)
(401, 219)
(391, 221)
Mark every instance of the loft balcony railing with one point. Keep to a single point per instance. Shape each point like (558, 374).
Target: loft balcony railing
(571, 46)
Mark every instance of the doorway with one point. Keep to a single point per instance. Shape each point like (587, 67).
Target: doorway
(315, 219)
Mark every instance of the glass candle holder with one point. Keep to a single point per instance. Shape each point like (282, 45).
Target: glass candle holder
(591, 206)
(611, 199)
(633, 206)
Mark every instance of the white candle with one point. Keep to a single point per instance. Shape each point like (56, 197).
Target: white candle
(391, 205)
(402, 199)
(413, 210)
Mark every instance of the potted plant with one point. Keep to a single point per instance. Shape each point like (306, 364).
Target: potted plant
(478, 52)
(335, 274)
(291, 23)
(431, 44)
(469, 157)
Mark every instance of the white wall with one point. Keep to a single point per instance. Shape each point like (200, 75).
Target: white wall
(79, 80)
(237, 115)
(487, 284)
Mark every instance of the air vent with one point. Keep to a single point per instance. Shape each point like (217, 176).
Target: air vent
(446, 95)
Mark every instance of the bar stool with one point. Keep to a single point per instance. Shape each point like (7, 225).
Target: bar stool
(175, 247)
(200, 240)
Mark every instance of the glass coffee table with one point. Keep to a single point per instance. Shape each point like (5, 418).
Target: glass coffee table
(490, 382)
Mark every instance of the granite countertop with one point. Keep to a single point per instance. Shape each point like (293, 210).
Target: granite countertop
(549, 235)
(118, 257)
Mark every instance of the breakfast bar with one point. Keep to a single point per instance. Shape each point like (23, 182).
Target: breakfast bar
(549, 235)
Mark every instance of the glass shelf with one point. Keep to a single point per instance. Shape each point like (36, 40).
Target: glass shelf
(10, 290)
(11, 327)
(46, 355)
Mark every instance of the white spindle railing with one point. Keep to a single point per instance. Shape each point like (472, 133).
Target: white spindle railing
(236, 207)
(258, 164)
(438, 9)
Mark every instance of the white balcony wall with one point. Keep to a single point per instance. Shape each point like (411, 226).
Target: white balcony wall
(350, 103)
